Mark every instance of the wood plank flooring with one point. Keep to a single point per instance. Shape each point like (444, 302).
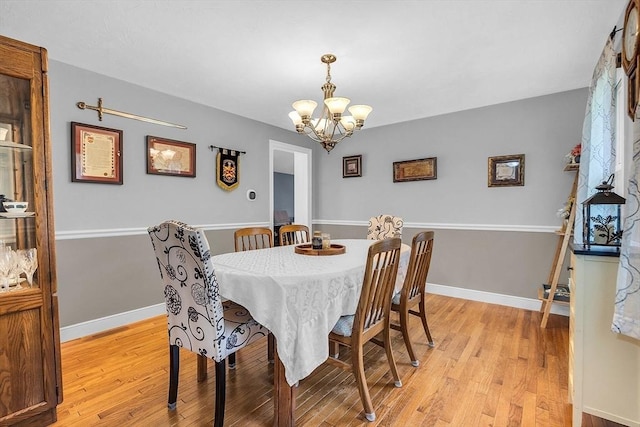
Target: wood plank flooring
(491, 366)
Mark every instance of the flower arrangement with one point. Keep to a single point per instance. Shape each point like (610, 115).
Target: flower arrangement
(574, 154)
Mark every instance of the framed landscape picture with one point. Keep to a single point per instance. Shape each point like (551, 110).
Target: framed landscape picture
(169, 157)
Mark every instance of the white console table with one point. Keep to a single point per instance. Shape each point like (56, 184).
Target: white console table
(604, 367)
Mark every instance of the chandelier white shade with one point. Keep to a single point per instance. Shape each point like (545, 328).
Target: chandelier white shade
(331, 127)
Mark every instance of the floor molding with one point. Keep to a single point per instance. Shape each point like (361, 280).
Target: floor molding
(91, 327)
(493, 298)
(103, 324)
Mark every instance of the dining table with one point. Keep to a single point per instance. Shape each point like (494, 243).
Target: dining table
(299, 297)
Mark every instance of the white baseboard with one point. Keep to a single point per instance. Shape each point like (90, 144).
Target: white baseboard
(611, 417)
(95, 326)
(500, 299)
(102, 324)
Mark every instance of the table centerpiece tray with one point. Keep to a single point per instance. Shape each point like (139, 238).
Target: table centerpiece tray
(307, 249)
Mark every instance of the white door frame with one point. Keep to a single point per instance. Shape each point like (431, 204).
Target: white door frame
(302, 181)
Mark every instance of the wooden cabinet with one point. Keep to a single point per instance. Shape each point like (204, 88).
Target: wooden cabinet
(30, 378)
(604, 367)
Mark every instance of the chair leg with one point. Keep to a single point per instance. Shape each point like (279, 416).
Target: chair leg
(386, 337)
(270, 344)
(220, 393)
(404, 328)
(232, 361)
(361, 380)
(201, 371)
(174, 368)
(334, 349)
(423, 317)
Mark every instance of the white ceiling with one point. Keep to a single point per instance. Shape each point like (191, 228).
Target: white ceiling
(408, 59)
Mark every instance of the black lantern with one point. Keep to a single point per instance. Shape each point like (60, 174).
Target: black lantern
(601, 217)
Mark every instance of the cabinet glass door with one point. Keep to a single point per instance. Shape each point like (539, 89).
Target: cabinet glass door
(18, 255)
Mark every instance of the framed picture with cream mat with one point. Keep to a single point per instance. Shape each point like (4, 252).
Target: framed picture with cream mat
(506, 171)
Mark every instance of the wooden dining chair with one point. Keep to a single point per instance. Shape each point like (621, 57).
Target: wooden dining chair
(371, 317)
(250, 238)
(197, 318)
(384, 226)
(294, 234)
(412, 294)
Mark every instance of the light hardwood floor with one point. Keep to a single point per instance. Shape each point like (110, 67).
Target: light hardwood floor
(491, 366)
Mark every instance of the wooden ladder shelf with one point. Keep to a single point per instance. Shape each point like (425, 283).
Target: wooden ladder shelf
(564, 238)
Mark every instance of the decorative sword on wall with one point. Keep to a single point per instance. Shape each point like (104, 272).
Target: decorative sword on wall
(101, 110)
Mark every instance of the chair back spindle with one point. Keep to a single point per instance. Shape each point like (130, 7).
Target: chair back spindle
(251, 238)
(294, 234)
(419, 263)
(379, 280)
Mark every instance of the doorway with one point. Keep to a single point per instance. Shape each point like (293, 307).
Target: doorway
(295, 161)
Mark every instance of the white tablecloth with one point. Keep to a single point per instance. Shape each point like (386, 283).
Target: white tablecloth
(299, 298)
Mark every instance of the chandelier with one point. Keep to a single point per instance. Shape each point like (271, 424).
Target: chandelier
(331, 127)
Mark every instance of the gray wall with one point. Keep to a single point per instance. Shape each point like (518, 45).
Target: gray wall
(148, 199)
(100, 276)
(500, 262)
(105, 262)
(543, 128)
(476, 246)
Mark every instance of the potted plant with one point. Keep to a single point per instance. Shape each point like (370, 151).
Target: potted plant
(574, 154)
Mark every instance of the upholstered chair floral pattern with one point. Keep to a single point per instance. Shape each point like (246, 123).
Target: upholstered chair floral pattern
(384, 226)
(198, 319)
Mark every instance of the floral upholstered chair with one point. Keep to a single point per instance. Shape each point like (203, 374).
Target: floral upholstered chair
(384, 226)
(198, 319)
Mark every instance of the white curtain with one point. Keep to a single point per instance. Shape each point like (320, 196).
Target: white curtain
(597, 161)
(626, 316)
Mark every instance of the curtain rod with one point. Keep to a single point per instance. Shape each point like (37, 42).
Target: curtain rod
(212, 147)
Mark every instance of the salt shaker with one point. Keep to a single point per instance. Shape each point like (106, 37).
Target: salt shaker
(326, 241)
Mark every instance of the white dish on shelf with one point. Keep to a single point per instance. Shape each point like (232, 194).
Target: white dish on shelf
(15, 206)
(11, 144)
(16, 214)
